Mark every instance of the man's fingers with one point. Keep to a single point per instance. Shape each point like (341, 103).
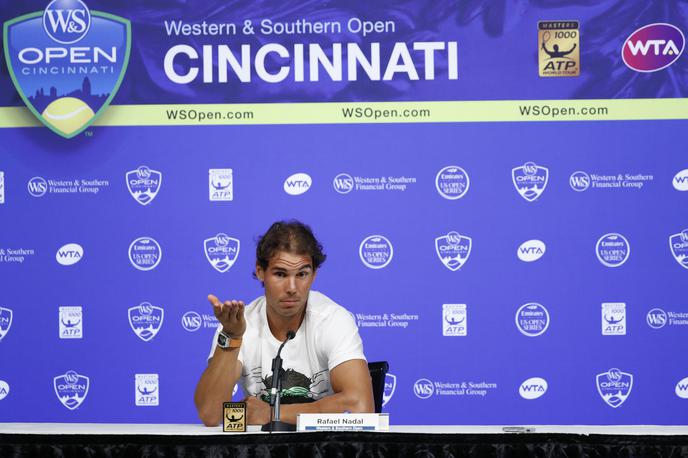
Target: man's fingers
(217, 305)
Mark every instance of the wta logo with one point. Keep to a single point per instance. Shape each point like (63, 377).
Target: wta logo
(67, 62)
(653, 47)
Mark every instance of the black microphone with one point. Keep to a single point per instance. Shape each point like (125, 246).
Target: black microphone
(276, 424)
(277, 368)
(290, 335)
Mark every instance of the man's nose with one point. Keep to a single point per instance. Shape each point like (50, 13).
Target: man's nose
(291, 285)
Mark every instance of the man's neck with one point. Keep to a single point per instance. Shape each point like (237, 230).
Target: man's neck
(279, 326)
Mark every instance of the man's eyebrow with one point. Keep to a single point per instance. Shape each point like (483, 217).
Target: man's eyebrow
(284, 269)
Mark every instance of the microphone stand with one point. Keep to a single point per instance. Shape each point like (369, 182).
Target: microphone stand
(275, 393)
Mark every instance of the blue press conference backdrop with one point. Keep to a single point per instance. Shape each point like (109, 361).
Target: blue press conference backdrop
(510, 272)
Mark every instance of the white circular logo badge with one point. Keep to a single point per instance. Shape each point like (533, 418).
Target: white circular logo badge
(612, 249)
(66, 21)
(531, 250)
(423, 388)
(532, 319)
(656, 318)
(680, 180)
(452, 182)
(681, 388)
(533, 388)
(69, 254)
(191, 321)
(579, 181)
(297, 184)
(4, 389)
(37, 186)
(376, 251)
(343, 183)
(145, 253)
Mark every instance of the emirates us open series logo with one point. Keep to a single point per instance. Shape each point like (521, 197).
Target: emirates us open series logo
(67, 62)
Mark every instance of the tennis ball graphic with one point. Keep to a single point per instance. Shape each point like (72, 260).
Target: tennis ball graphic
(68, 114)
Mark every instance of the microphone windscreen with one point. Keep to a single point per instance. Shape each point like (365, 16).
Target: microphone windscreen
(290, 335)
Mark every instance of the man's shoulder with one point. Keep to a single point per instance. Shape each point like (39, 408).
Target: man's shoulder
(254, 309)
(321, 307)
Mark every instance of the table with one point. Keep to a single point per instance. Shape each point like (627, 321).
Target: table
(104, 440)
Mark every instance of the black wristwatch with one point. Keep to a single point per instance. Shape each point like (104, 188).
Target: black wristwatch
(224, 340)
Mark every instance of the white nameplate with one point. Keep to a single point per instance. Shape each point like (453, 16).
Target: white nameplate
(342, 422)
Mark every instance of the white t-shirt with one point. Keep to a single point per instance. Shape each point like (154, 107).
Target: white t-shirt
(327, 337)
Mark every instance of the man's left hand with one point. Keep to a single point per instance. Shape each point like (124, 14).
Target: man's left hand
(257, 411)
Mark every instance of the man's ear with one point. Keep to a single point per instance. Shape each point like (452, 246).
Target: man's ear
(260, 273)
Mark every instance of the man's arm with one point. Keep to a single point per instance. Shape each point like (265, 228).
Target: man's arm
(353, 392)
(216, 385)
(218, 379)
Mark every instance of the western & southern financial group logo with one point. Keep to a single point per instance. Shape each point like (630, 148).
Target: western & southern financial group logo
(67, 62)
(423, 388)
(614, 386)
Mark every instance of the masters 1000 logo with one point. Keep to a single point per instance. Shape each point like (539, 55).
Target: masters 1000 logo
(67, 62)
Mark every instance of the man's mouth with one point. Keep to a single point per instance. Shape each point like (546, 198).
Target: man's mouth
(290, 301)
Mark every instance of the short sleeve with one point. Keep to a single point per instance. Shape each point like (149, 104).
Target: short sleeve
(340, 341)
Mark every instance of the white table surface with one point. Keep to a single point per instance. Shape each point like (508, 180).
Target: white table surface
(200, 430)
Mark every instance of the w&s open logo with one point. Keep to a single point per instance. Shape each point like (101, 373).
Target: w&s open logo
(67, 62)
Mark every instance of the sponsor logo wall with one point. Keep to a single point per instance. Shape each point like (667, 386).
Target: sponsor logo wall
(525, 228)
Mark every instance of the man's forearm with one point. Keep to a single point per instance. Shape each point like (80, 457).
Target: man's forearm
(216, 385)
(336, 403)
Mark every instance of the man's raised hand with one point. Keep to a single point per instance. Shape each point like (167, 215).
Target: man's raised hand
(230, 314)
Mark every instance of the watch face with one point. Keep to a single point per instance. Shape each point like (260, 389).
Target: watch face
(222, 340)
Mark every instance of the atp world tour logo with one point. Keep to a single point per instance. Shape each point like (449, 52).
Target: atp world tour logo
(147, 390)
(530, 180)
(679, 247)
(71, 389)
(614, 386)
(221, 251)
(146, 320)
(67, 62)
(144, 184)
(453, 250)
(5, 321)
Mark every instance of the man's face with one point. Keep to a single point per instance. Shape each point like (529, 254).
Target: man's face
(287, 281)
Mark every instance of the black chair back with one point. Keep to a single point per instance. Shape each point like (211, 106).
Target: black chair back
(378, 371)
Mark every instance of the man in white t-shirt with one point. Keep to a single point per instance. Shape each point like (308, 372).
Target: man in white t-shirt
(325, 369)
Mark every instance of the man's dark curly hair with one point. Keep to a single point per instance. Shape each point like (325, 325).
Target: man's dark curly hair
(291, 236)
